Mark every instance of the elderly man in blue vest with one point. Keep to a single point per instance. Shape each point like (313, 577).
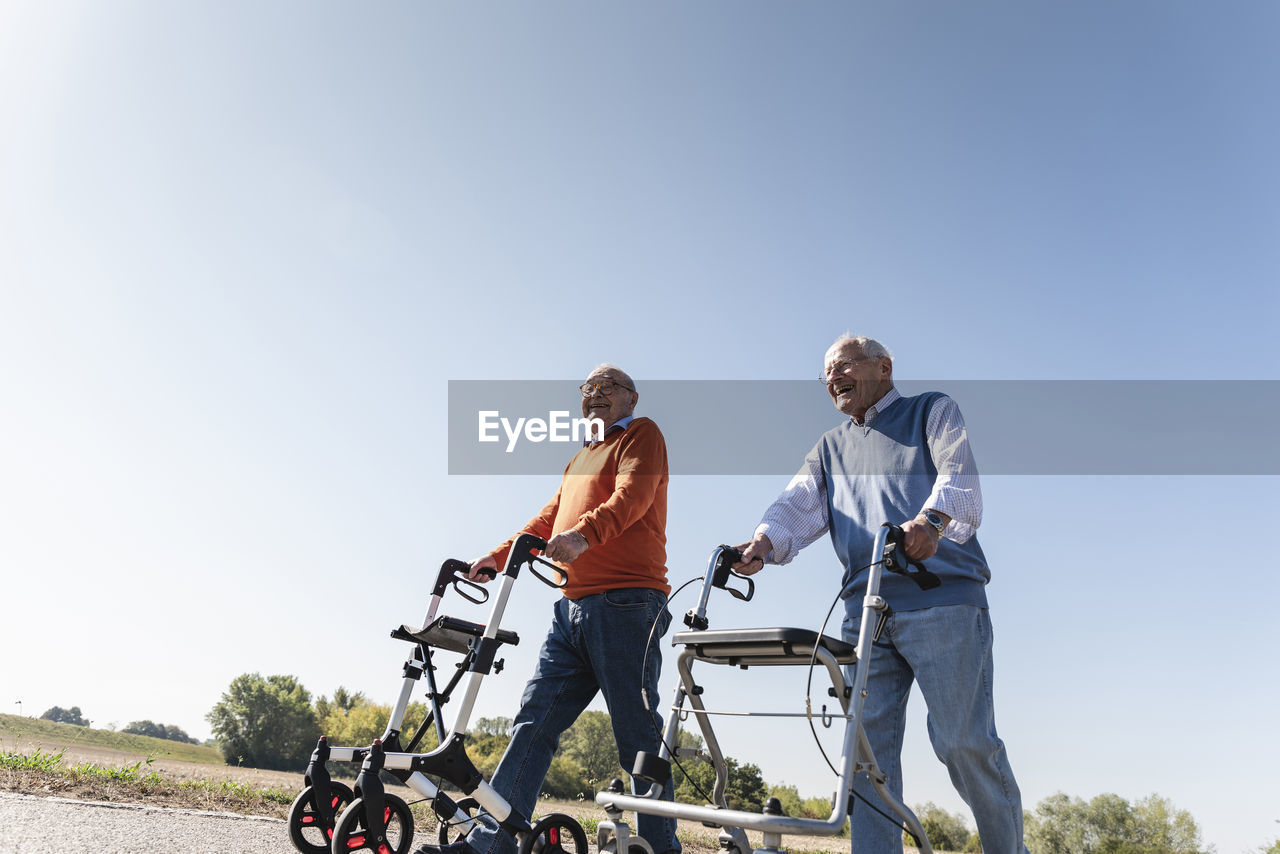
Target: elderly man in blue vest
(905, 460)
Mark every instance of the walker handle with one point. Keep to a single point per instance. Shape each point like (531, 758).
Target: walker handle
(724, 569)
(522, 552)
(453, 571)
(896, 560)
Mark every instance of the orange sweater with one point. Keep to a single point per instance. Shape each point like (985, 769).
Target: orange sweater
(614, 493)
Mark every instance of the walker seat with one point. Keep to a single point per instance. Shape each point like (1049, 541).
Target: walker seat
(766, 646)
(450, 633)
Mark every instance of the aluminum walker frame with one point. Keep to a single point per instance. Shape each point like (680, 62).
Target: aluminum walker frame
(367, 821)
(328, 816)
(766, 647)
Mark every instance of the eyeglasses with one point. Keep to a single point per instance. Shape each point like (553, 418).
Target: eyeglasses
(606, 387)
(841, 368)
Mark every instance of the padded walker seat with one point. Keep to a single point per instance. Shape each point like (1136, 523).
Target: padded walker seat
(770, 646)
(450, 633)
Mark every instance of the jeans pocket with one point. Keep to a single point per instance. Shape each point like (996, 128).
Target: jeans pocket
(637, 598)
(639, 604)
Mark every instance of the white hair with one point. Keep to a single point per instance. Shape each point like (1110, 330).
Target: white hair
(869, 347)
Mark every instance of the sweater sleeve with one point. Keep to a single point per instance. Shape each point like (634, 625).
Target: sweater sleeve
(642, 468)
(539, 526)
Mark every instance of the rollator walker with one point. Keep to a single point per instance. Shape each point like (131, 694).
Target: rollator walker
(766, 647)
(328, 816)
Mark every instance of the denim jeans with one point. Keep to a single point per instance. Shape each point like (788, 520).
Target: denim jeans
(946, 650)
(595, 643)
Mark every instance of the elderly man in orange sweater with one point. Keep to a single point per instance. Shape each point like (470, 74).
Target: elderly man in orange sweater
(606, 528)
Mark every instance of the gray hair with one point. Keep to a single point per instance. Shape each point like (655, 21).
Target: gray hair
(870, 347)
(614, 371)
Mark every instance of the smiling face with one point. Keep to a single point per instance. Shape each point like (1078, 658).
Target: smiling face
(855, 382)
(613, 405)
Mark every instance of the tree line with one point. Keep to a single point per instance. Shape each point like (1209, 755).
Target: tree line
(272, 722)
(75, 717)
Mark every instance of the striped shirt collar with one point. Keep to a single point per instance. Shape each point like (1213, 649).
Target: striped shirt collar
(879, 406)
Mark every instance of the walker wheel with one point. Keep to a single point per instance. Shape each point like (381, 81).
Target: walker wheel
(447, 828)
(555, 834)
(308, 829)
(351, 833)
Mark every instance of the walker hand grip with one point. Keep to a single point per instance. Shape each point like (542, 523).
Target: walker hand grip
(724, 569)
(896, 561)
(522, 552)
(449, 570)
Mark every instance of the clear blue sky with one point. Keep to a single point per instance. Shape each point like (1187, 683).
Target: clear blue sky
(247, 245)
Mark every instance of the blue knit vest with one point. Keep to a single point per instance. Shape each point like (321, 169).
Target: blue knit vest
(883, 472)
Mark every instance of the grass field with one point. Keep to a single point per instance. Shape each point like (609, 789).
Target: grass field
(15, 729)
(62, 760)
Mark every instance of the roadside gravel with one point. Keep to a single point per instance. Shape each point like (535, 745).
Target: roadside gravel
(31, 825)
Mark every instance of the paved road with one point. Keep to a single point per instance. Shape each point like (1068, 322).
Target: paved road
(35, 825)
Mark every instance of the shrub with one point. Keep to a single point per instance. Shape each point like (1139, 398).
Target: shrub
(57, 714)
(265, 723)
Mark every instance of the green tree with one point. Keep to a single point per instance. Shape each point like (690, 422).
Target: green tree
(487, 741)
(694, 781)
(357, 725)
(343, 701)
(147, 728)
(265, 722)
(789, 798)
(60, 715)
(746, 789)
(590, 744)
(1109, 824)
(946, 831)
(491, 727)
(566, 780)
(1159, 825)
(1273, 848)
(155, 730)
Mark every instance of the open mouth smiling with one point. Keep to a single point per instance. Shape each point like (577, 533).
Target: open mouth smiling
(844, 389)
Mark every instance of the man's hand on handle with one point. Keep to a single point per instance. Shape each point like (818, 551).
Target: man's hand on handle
(920, 538)
(753, 555)
(486, 562)
(566, 546)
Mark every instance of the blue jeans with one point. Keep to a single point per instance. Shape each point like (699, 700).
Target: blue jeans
(946, 650)
(596, 643)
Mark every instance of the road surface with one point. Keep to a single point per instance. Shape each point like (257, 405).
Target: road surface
(35, 825)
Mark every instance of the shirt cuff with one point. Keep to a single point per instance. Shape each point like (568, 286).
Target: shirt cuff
(772, 556)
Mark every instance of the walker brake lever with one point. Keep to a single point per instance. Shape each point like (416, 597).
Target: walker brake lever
(897, 561)
(482, 594)
(561, 576)
(724, 568)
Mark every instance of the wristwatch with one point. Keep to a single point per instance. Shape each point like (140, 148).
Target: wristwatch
(939, 524)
